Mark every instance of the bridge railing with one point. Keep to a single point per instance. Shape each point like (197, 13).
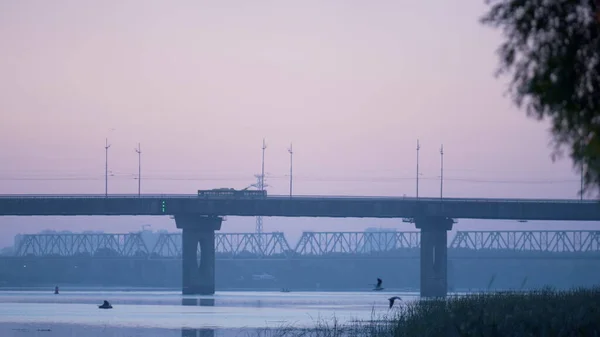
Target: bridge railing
(310, 244)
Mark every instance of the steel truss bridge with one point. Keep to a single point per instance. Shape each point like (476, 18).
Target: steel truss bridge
(311, 244)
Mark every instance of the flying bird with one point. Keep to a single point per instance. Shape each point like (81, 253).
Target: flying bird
(392, 299)
(378, 285)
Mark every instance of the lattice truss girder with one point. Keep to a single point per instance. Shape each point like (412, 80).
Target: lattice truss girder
(257, 244)
(541, 241)
(310, 243)
(321, 243)
(230, 244)
(77, 244)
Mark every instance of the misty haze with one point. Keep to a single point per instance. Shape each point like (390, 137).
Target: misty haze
(211, 169)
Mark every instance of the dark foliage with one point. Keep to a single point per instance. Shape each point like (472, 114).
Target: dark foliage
(552, 51)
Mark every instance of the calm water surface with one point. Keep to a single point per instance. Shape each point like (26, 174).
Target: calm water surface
(168, 313)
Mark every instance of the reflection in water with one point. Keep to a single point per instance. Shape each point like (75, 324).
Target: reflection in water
(197, 332)
(207, 302)
(203, 302)
(205, 332)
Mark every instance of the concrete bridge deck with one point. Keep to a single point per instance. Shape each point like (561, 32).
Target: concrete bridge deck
(300, 206)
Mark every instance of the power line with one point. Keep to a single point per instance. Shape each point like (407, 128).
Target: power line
(302, 178)
(496, 181)
(236, 172)
(377, 172)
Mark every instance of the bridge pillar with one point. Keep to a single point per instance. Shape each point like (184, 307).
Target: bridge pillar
(198, 279)
(434, 255)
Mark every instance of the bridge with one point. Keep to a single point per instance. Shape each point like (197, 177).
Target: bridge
(200, 217)
(300, 206)
(352, 245)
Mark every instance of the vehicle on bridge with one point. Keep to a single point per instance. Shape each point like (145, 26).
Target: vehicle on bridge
(232, 193)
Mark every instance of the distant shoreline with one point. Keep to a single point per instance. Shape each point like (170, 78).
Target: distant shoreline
(68, 329)
(85, 288)
(62, 329)
(68, 288)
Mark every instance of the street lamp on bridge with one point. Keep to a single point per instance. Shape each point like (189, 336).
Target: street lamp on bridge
(291, 166)
(138, 150)
(442, 171)
(106, 147)
(418, 148)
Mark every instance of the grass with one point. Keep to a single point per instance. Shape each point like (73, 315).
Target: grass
(536, 313)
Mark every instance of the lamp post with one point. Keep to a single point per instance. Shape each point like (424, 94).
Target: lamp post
(442, 171)
(418, 148)
(138, 150)
(291, 167)
(106, 147)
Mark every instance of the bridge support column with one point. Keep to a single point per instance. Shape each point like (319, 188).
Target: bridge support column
(434, 255)
(198, 279)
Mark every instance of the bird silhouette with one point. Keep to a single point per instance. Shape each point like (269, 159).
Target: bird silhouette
(392, 299)
(378, 285)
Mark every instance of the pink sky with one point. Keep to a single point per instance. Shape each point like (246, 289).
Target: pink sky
(352, 84)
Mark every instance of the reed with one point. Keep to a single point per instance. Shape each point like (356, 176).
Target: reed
(544, 312)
